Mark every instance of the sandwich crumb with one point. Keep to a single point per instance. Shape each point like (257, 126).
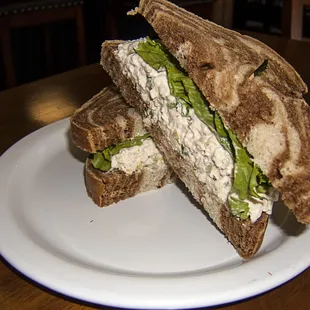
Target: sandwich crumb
(133, 11)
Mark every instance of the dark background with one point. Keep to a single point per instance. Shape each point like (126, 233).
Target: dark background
(28, 43)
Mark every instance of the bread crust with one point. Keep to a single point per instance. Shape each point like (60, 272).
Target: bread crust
(106, 188)
(267, 112)
(104, 120)
(245, 236)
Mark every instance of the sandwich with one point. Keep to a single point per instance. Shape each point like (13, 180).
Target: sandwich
(226, 111)
(124, 160)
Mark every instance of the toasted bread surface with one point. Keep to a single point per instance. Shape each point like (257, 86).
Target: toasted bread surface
(245, 236)
(267, 112)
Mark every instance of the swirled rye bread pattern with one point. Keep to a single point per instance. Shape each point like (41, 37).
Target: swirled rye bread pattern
(267, 113)
(107, 120)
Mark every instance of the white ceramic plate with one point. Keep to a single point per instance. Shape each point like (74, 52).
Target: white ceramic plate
(157, 250)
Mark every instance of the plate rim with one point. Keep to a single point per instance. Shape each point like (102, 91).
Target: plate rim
(252, 290)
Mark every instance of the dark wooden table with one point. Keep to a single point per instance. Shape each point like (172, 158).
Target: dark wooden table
(31, 106)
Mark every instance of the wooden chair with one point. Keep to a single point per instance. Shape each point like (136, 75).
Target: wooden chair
(219, 11)
(292, 18)
(222, 12)
(5, 40)
(18, 14)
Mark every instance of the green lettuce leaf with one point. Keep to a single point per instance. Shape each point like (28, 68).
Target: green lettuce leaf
(242, 170)
(154, 52)
(238, 207)
(223, 134)
(259, 183)
(102, 160)
(248, 179)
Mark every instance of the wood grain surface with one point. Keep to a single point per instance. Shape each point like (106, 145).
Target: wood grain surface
(32, 106)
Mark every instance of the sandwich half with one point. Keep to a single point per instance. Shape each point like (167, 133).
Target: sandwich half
(226, 111)
(124, 160)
